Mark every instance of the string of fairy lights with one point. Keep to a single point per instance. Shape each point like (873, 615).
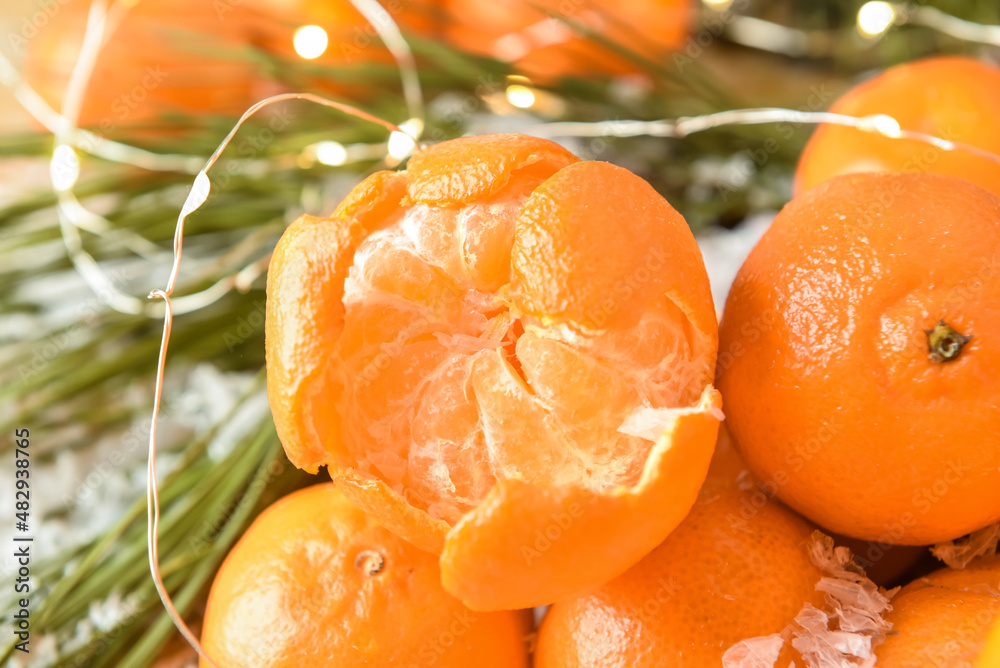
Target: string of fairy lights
(874, 19)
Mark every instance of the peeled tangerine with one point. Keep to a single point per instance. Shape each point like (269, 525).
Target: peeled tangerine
(503, 354)
(743, 582)
(314, 582)
(945, 619)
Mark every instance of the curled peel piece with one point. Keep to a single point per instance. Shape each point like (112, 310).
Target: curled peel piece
(960, 553)
(760, 652)
(473, 168)
(311, 305)
(527, 530)
(843, 634)
(505, 356)
(852, 622)
(391, 510)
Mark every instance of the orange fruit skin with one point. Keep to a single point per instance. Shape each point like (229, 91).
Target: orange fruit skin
(294, 593)
(191, 56)
(737, 567)
(824, 366)
(521, 32)
(944, 619)
(955, 98)
(318, 252)
(528, 540)
(554, 542)
(990, 658)
(159, 58)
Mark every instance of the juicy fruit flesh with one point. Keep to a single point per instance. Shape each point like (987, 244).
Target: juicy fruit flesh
(443, 387)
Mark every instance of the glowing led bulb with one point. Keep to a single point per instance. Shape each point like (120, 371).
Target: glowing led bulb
(520, 96)
(331, 153)
(875, 17)
(718, 5)
(310, 42)
(64, 168)
(413, 127)
(882, 124)
(401, 145)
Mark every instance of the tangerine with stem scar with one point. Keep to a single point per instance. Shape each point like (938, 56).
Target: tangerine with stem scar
(316, 582)
(869, 401)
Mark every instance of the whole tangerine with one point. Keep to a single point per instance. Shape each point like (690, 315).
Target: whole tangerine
(548, 39)
(316, 582)
(857, 345)
(945, 618)
(952, 97)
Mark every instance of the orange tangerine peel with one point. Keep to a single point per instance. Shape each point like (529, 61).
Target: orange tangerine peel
(528, 530)
(496, 339)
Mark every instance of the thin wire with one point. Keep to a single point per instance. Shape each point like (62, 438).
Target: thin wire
(202, 186)
(775, 38)
(793, 42)
(64, 166)
(387, 29)
(85, 140)
(73, 216)
(881, 124)
(930, 17)
(197, 196)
